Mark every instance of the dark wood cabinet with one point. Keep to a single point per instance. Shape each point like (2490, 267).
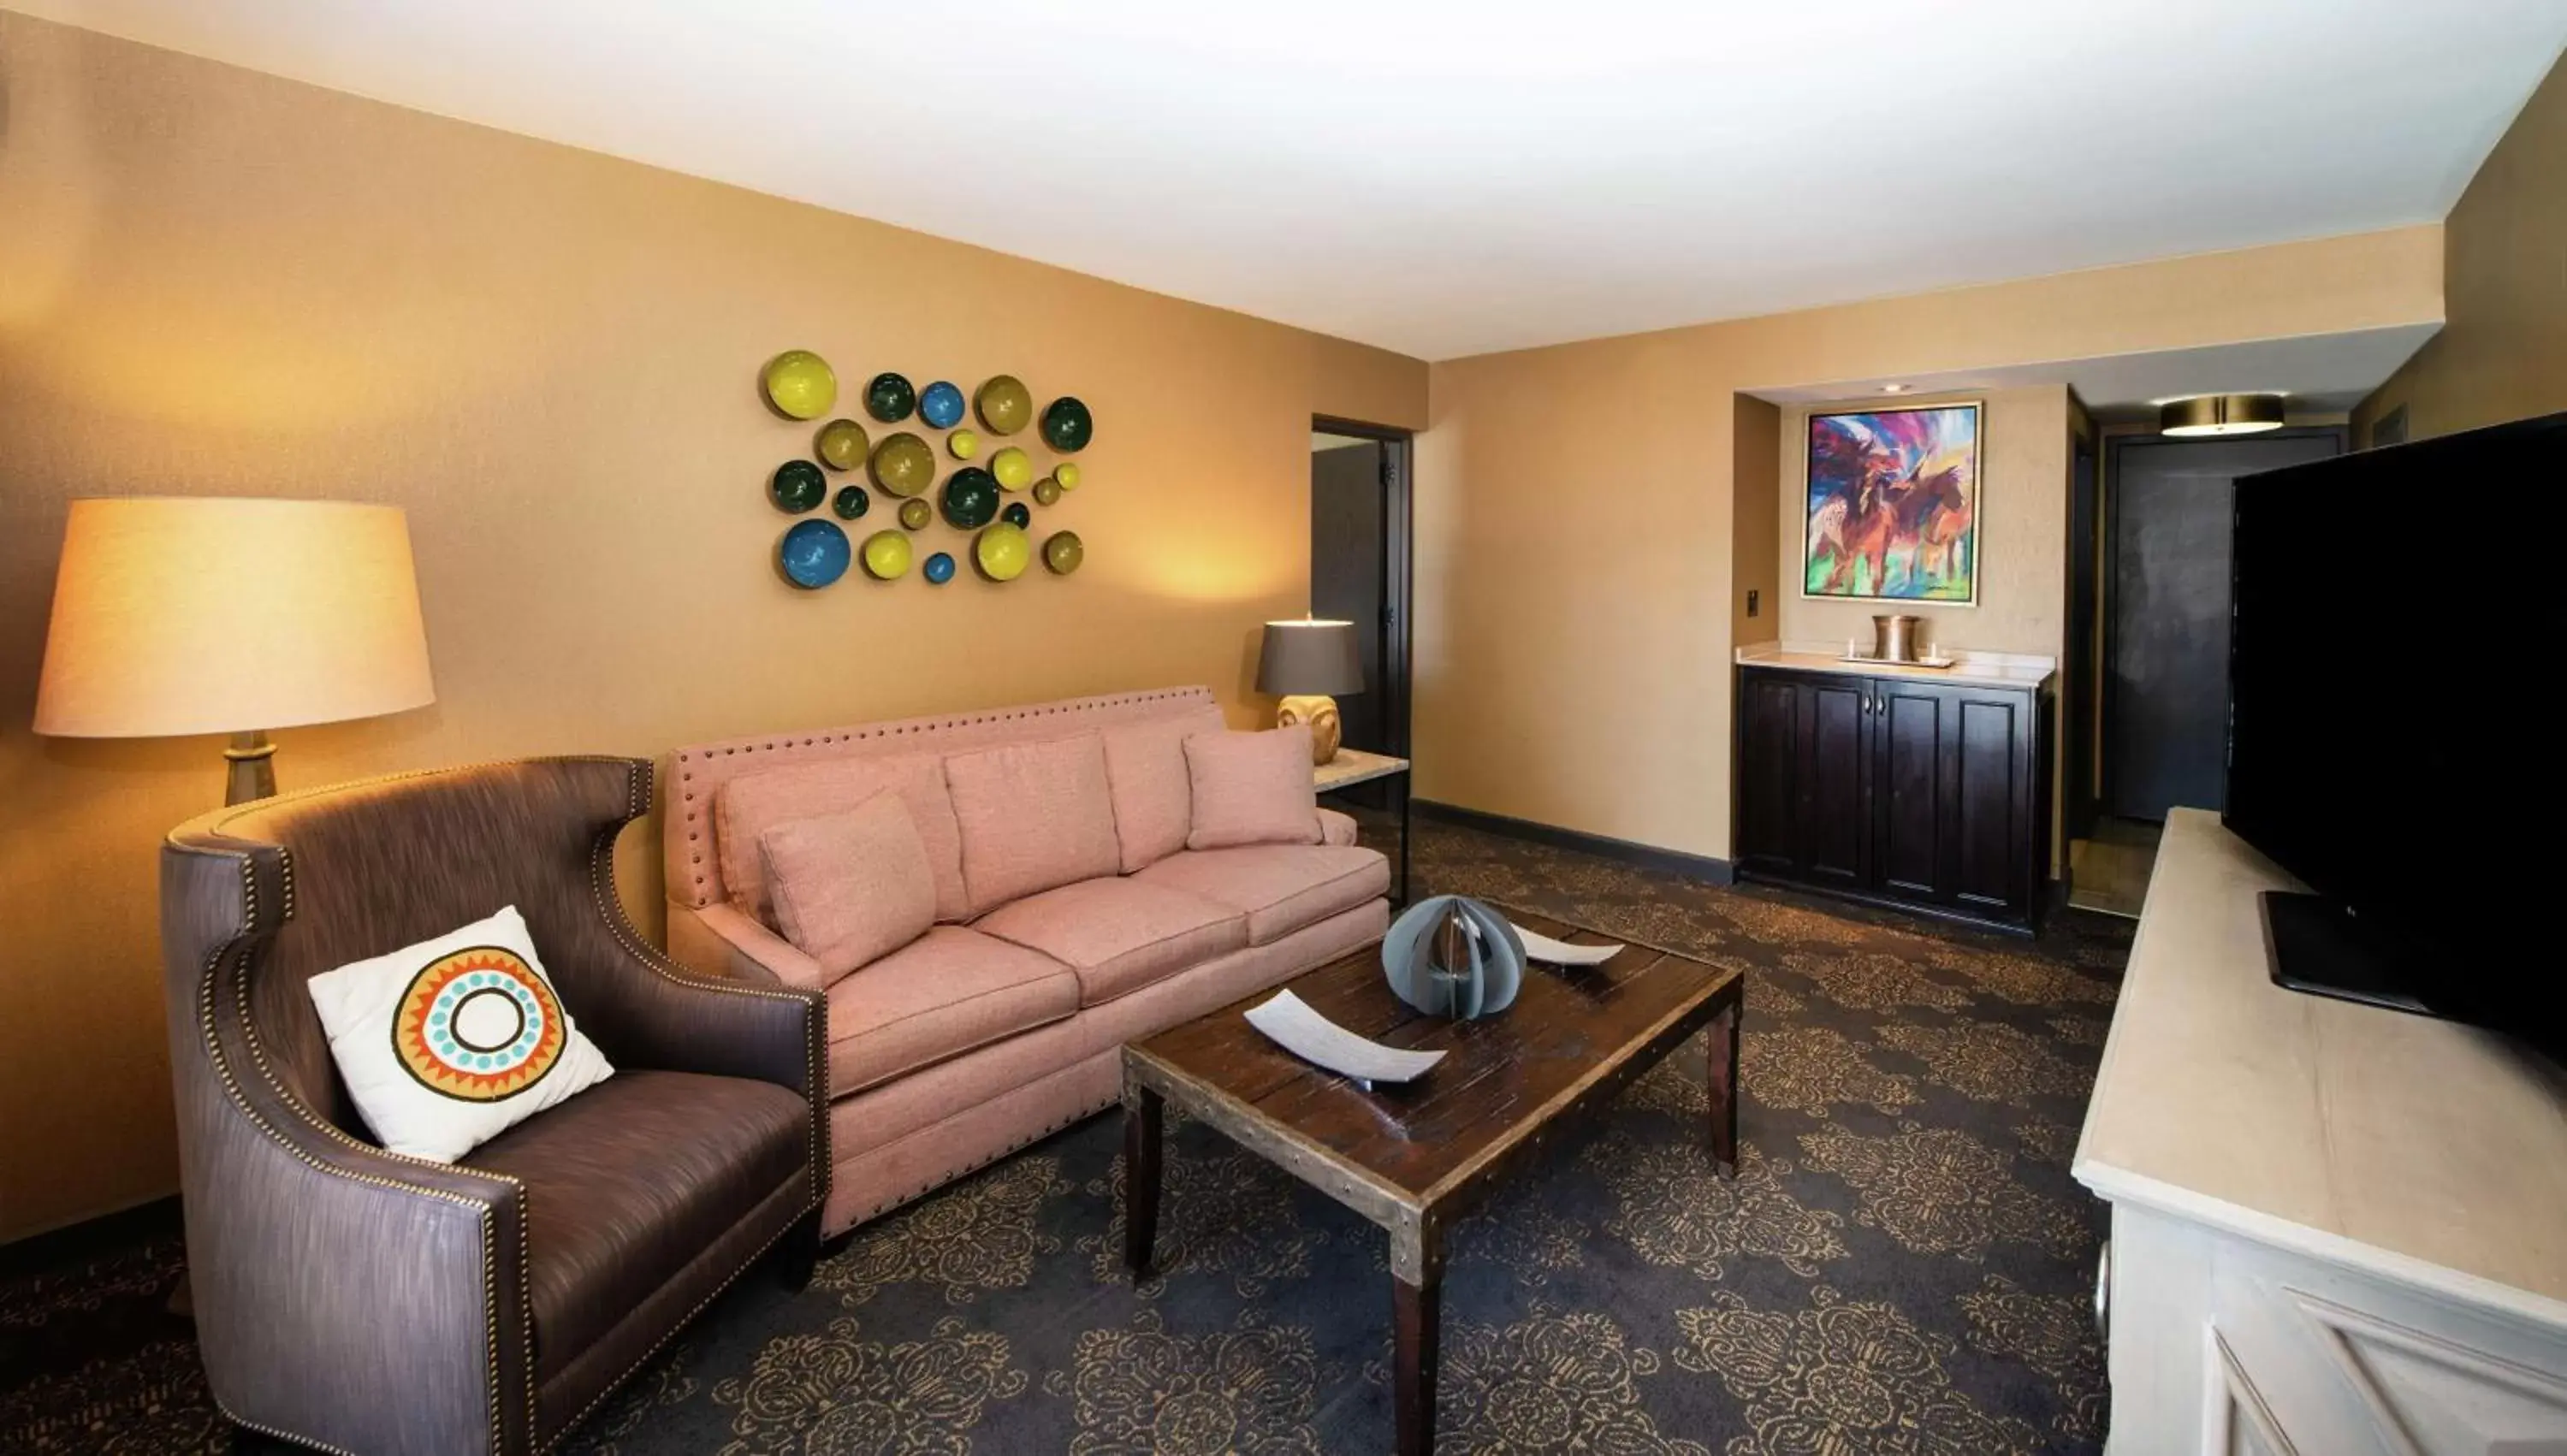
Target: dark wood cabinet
(1907, 791)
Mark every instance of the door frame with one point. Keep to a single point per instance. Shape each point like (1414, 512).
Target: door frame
(2112, 570)
(1398, 534)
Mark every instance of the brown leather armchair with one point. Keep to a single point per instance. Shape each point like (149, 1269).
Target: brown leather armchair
(370, 1302)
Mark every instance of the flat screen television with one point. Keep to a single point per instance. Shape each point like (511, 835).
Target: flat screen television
(2397, 723)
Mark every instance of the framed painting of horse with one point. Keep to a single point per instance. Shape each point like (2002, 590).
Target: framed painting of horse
(1893, 505)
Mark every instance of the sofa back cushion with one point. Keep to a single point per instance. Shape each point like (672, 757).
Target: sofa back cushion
(1252, 788)
(1032, 816)
(750, 805)
(1145, 766)
(850, 888)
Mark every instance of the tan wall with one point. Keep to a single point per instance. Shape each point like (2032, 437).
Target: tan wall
(2023, 531)
(1755, 453)
(1576, 504)
(217, 282)
(2504, 355)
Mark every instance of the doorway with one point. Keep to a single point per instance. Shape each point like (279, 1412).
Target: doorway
(1359, 568)
(2168, 522)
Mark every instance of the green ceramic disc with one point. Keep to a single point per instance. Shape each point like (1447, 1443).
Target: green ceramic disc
(970, 498)
(1017, 513)
(1063, 552)
(888, 397)
(851, 502)
(1066, 424)
(1005, 405)
(904, 465)
(796, 486)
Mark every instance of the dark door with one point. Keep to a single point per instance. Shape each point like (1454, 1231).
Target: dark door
(1349, 552)
(1908, 732)
(2166, 689)
(2082, 694)
(1833, 775)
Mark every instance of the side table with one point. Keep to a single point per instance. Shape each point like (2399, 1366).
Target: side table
(1353, 767)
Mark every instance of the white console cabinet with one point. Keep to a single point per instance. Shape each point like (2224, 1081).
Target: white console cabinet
(2337, 1231)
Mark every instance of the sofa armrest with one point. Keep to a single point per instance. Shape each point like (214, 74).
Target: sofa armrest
(1337, 828)
(725, 940)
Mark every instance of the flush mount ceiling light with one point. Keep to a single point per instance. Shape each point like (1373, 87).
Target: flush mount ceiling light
(1893, 389)
(2220, 415)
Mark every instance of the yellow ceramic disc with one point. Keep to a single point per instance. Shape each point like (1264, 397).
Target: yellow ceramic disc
(842, 445)
(1014, 468)
(886, 555)
(1005, 405)
(903, 465)
(800, 384)
(1002, 551)
(964, 444)
(1066, 472)
(916, 516)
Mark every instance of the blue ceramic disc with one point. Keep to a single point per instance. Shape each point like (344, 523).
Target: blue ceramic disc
(940, 405)
(939, 569)
(813, 554)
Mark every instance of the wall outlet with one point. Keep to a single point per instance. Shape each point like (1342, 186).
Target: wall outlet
(1753, 596)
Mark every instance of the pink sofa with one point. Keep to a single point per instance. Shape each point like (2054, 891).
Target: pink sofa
(981, 1036)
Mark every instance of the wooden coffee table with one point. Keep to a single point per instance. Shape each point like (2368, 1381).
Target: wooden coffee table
(1415, 1158)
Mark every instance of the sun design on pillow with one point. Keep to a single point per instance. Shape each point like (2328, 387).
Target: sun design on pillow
(478, 1026)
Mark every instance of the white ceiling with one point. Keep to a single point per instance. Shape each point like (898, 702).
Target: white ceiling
(1449, 179)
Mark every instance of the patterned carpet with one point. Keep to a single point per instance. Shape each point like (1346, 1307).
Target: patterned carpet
(1901, 1265)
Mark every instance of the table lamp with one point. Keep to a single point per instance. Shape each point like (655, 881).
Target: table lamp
(1303, 663)
(175, 615)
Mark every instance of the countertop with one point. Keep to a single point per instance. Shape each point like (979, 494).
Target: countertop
(1978, 669)
(2423, 1150)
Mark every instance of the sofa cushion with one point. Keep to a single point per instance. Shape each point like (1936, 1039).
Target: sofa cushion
(940, 995)
(634, 1178)
(1032, 816)
(1118, 934)
(1252, 788)
(1280, 887)
(850, 888)
(750, 804)
(1145, 766)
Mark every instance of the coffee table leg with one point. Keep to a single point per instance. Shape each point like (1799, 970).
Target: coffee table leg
(1720, 1080)
(1140, 1178)
(1416, 1314)
(1417, 1319)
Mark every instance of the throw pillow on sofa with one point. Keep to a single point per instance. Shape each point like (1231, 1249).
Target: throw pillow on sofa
(449, 1042)
(1145, 764)
(1032, 816)
(1249, 788)
(748, 804)
(850, 888)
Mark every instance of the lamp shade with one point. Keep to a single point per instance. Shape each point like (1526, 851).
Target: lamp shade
(1309, 656)
(209, 615)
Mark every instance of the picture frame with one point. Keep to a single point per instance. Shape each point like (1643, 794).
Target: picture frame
(1891, 504)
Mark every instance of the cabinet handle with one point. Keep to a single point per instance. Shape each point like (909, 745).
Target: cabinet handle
(2104, 1293)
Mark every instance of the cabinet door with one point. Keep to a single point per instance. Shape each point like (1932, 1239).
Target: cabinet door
(1769, 778)
(1835, 780)
(1911, 729)
(1995, 742)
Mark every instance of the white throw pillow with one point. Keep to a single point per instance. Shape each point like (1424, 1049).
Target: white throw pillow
(449, 1042)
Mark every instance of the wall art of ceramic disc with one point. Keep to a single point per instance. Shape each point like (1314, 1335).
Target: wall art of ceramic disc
(1066, 424)
(813, 554)
(797, 487)
(800, 384)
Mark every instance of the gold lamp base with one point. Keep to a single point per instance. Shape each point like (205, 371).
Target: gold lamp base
(1319, 711)
(253, 769)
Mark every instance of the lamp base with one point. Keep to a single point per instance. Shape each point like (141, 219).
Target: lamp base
(1319, 711)
(253, 760)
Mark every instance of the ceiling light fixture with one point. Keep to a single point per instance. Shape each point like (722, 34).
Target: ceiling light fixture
(1893, 389)
(2206, 415)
